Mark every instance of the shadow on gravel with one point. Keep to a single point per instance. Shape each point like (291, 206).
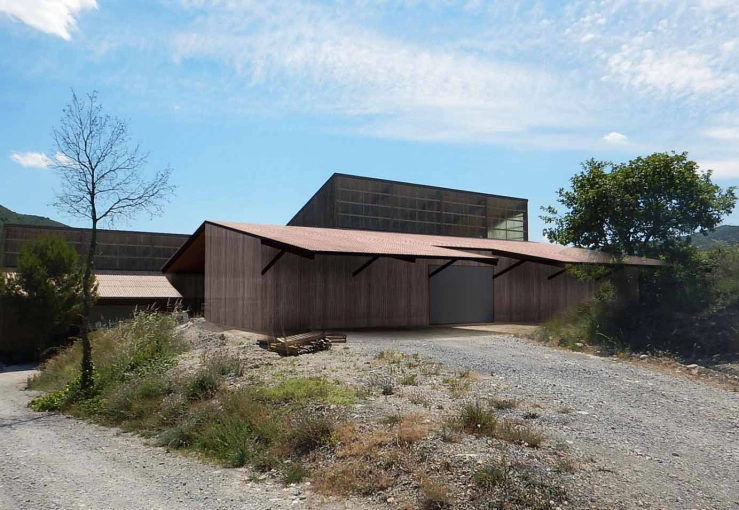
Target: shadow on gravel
(21, 421)
(17, 368)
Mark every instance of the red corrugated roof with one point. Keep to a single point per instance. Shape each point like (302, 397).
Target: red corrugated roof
(131, 285)
(134, 285)
(361, 242)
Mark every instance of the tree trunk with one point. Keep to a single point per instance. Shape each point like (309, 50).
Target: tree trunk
(87, 377)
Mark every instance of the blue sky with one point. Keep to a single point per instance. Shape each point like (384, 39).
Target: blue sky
(255, 103)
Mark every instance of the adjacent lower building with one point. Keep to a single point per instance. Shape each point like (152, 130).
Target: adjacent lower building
(127, 272)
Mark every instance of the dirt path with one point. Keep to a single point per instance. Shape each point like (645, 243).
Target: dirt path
(657, 440)
(51, 461)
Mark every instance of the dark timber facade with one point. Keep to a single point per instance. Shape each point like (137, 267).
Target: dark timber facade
(362, 203)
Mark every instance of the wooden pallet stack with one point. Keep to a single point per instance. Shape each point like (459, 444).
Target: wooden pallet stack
(301, 343)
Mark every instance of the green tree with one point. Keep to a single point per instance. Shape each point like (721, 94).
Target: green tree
(648, 206)
(46, 289)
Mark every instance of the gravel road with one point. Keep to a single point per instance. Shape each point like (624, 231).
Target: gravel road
(658, 441)
(51, 461)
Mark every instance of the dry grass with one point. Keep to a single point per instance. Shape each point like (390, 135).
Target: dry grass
(458, 387)
(412, 428)
(352, 477)
(566, 464)
(502, 404)
(435, 495)
(354, 442)
(519, 433)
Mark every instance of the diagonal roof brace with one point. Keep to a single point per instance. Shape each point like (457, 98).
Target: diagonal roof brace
(403, 258)
(441, 268)
(272, 262)
(509, 268)
(289, 248)
(558, 273)
(365, 265)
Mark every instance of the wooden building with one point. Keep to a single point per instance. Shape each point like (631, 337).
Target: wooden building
(361, 253)
(348, 201)
(127, 271)
(280, 279)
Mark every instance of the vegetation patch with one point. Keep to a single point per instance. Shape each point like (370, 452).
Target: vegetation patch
(285, 419)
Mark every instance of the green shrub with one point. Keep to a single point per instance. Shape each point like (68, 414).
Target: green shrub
(203, 384)
(136, 389)
(311, 389)
(146, 343)
(57, 400)
(308, 432)
(293, 473)
(223, 364)
(476, 418)
(489, 477)
(690, 308)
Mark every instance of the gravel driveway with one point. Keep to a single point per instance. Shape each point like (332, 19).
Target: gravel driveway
(651, 440)
(51, 461)
(657, 440)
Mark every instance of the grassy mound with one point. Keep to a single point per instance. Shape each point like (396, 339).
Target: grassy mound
(139, 387)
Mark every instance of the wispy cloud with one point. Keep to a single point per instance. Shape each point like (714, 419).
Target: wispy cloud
(724, 133)
(616, 138)
(323, 62)
(723, 169)
(503, 84)
(31, 159)
(671, 74)
(56, 17)
(38, 159)
(551, 75)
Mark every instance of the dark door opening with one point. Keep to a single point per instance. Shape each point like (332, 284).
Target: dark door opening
(461, 294)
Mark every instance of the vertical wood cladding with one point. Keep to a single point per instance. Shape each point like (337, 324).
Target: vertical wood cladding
(526, 295)
(299, 293)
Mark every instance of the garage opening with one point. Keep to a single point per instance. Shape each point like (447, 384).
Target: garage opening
(461, 295)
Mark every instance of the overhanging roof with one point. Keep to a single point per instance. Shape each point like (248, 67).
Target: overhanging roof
(132, 285)
(311, 241)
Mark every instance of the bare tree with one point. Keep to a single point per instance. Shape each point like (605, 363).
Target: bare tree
(102, 182)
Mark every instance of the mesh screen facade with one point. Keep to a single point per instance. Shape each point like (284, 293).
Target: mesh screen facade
(372, 204)
(116, 249)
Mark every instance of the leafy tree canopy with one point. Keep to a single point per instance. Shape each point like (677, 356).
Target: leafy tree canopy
(648, 206)
(46, 288)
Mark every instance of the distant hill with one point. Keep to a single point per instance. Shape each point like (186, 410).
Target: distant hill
(10, 217)
(725, 235)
